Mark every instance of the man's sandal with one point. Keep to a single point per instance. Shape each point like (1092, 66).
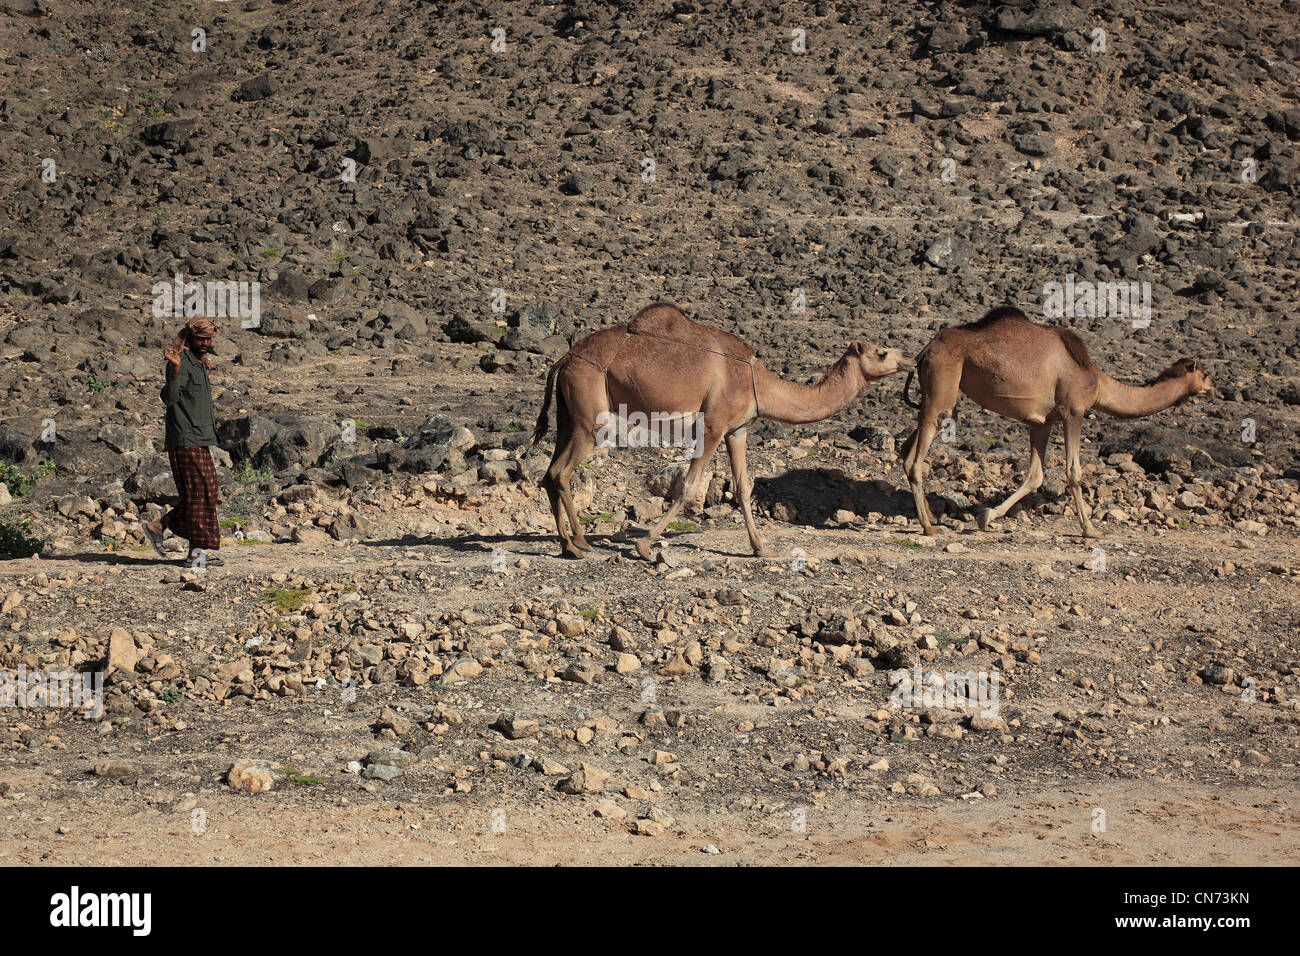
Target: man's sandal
(154, 539)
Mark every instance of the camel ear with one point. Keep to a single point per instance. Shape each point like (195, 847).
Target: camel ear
(858, 348)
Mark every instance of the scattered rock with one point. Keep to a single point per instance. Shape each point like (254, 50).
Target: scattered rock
(123, 771)
(516, 728)
(463, 670)
(588, 779)
(123, 654)
(254, 776)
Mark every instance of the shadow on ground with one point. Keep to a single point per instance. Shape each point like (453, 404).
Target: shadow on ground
(811, 496)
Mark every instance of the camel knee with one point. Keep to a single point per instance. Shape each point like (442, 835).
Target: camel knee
(915, 471)
(905, 449)
(560, 482)
(691, 487)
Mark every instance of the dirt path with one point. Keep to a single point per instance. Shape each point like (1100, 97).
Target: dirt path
(1146, 824)
(1106, 720)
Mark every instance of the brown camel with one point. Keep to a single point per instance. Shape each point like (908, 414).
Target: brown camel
(667, 367)
(1034, 374)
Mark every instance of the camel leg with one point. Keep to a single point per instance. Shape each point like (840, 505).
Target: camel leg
(689, 488)
(905, 455)
(581, 446)
(1074, 472)
(1038, 435)
(553, 495)
(579, 400)
(563, 438)
(939, 388)
(736, 442)
(914, 468)
(557, 484)
(929, 513)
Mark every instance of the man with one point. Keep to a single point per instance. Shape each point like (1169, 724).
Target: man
(191, 431)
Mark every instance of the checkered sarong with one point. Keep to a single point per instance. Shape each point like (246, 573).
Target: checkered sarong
(195, 518)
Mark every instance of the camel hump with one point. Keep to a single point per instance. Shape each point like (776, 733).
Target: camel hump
(1001, 314)
(600, 347)
(1075, 347)
(666, 321)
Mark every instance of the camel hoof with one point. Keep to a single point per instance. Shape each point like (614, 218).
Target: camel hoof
(985, 518)
(1092, 533)
(573, 554)
(933, 530)
(643, 546)
(581, 544)
(763, 551)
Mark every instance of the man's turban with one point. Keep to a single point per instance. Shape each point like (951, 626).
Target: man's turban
(197, 327)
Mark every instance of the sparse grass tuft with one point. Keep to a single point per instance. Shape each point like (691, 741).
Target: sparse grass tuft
(285, 600)
(300, 780)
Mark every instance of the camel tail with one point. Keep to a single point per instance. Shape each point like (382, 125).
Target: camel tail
(907, 387)
(544, 419)
(911, 374)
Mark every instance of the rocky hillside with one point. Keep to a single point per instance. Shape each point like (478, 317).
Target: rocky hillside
(436, 198)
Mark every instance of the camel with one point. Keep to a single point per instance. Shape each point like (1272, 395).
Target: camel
(664, 365)
(1038, 375)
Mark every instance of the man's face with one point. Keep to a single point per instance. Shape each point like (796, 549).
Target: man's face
(203, 344)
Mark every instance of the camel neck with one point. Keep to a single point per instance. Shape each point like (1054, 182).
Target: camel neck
(794, 404)
(1137, 401)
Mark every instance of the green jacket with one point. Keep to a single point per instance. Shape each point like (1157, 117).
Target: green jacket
(188, 397)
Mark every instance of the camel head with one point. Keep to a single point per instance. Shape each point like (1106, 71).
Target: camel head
(876, 362)
(1195, 377)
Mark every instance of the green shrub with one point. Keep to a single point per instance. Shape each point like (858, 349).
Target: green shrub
(16, 541)
(18, 483)
(248, 475)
